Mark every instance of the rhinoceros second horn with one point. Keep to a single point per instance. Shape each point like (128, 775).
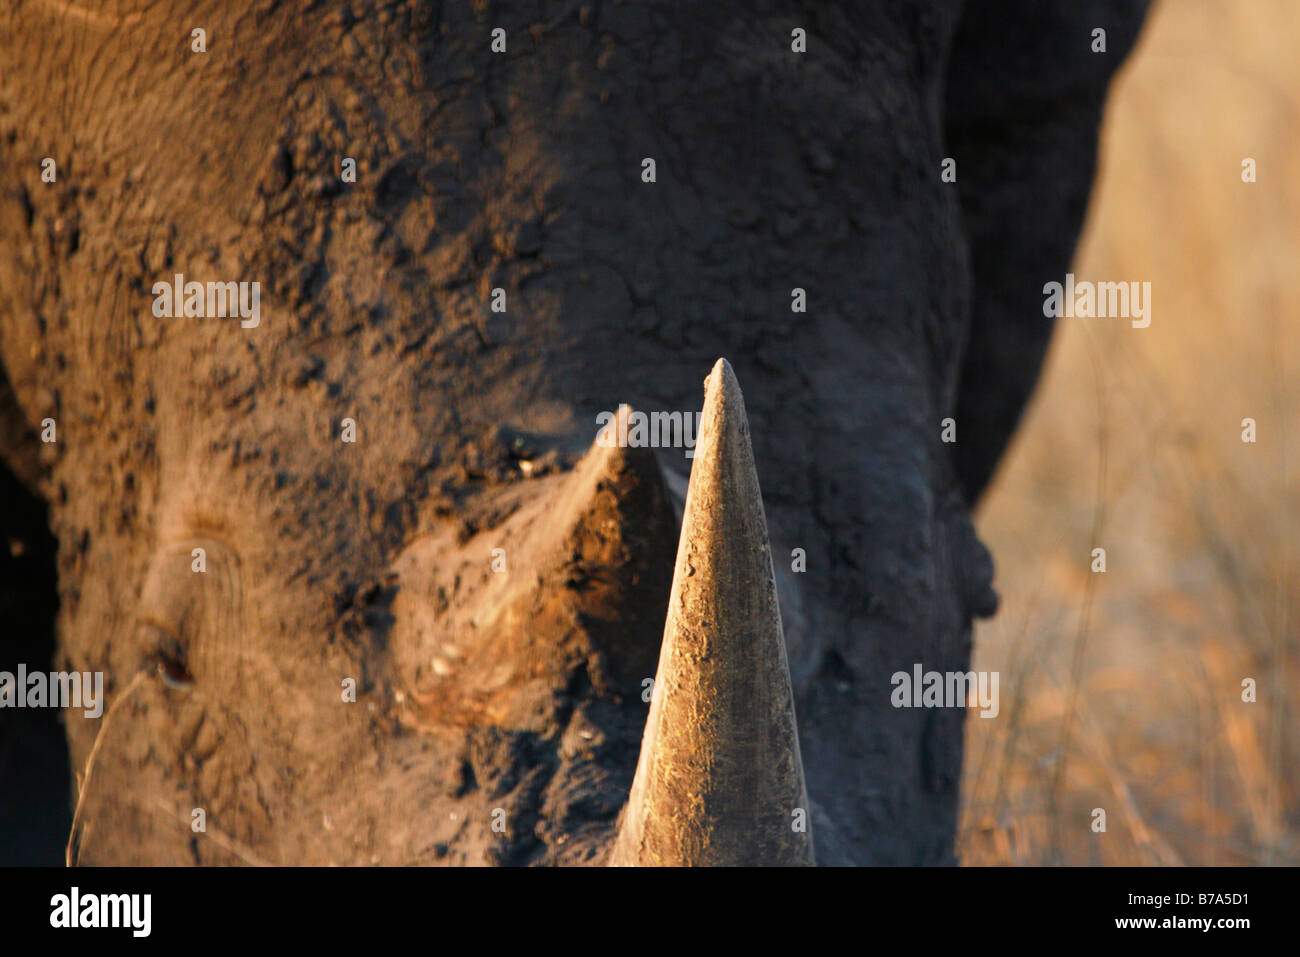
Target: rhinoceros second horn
(719, 780)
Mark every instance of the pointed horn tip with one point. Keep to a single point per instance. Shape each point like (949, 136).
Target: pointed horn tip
(613, 456)
(723, 400)
(721, 376)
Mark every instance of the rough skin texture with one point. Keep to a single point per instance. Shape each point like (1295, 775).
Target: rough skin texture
(522, 171)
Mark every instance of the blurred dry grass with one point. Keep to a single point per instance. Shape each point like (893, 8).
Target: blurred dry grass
(1123, 690)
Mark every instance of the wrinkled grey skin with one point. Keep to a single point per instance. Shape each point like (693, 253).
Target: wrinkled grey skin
(521, 170)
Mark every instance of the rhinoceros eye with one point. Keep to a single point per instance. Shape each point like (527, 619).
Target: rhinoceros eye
(190, 625)
(174, 674)
(166, 655)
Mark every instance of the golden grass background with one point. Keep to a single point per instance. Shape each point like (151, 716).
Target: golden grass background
(1122, 690)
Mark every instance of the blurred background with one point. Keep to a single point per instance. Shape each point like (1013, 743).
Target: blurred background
(1123, 690)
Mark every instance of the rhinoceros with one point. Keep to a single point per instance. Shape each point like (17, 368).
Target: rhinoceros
(331, 332)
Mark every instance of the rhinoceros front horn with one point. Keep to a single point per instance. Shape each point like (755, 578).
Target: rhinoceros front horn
(719, 780)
